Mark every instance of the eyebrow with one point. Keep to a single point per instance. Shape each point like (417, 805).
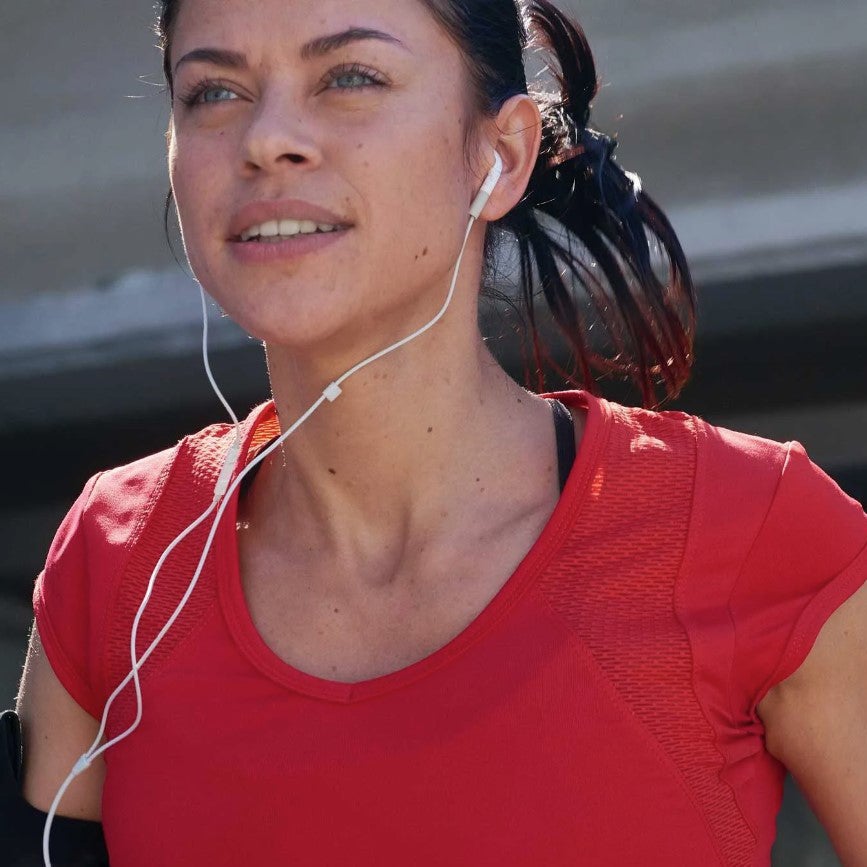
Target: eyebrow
(315, 48)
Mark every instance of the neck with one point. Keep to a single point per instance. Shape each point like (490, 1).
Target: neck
(418, 440)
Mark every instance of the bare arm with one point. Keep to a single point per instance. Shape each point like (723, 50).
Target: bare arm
(56, 731)
(816, 725)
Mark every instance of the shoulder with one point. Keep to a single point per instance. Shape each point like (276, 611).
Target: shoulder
(98, 543)
(734, 459)
(715, 449)
(732, 482)
(120, 496)
(721, 443)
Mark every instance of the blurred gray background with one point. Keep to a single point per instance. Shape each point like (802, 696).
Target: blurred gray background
(745, 118)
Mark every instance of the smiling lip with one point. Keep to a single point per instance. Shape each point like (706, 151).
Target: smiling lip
(259, 252)
(263, 211)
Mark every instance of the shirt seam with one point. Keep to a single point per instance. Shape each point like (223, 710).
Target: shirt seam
(694, 532)
(734, 587)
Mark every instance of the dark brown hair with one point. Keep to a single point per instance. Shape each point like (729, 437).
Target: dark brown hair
(628, 279)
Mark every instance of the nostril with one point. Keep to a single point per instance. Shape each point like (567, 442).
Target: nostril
(296, 158)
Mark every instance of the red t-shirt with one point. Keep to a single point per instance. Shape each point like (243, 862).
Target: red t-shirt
(599, 711)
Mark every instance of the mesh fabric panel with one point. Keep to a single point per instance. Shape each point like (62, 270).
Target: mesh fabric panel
(184, 493)
(614, 582)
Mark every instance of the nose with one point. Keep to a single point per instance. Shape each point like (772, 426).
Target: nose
(279, 134)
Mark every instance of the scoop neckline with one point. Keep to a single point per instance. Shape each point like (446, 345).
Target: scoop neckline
(550, 538)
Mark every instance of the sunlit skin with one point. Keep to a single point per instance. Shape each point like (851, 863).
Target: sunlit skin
(433, 446)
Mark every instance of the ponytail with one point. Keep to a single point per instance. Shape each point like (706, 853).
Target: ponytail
(648, 321)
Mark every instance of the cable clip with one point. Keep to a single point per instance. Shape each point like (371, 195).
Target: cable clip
(333, 391)
(81, 765)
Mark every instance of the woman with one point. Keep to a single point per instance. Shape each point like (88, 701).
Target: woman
(448, 621)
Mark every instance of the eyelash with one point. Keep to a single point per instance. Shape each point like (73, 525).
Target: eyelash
(191, 97)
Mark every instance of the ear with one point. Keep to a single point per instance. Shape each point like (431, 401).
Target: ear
(517, 135)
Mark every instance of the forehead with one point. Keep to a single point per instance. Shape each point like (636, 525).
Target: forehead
(287, 24)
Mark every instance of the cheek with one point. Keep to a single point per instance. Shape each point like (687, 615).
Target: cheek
(183, 180)
(193, 180)
(415, 178)
(196, 204)
(198, 227)
(430, 211)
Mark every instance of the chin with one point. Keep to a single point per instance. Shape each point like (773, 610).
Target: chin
(313, 315)
(294, 310)
(299, 331)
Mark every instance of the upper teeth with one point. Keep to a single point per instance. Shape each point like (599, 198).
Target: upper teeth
(285, 227)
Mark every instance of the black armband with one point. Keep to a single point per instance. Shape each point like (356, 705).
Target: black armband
(73, 842)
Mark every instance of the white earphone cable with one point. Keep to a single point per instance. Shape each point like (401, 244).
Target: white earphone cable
(208, 363)
(222, 495)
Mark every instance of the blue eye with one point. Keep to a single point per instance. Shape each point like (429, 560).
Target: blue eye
(208, 90)
(347, 77)
(354, 72)
(351, 75)
(203, 88)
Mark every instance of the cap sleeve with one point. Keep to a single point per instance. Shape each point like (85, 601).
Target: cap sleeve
(808, 558)
(64, 608)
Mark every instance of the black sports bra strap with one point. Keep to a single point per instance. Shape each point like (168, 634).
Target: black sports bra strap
(564, 427)
(248, 479)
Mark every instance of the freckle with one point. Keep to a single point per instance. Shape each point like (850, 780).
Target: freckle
(429, 429)
(337, 611)
(334, 668)
(443, 514)
(332, 471)
(478, 480)
(481, 490)
(359, 146)
(424, 252)
(519, 400)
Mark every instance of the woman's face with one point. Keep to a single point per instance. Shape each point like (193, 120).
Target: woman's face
(371, 130)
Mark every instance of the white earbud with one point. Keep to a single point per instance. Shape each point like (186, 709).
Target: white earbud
(487, 187)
